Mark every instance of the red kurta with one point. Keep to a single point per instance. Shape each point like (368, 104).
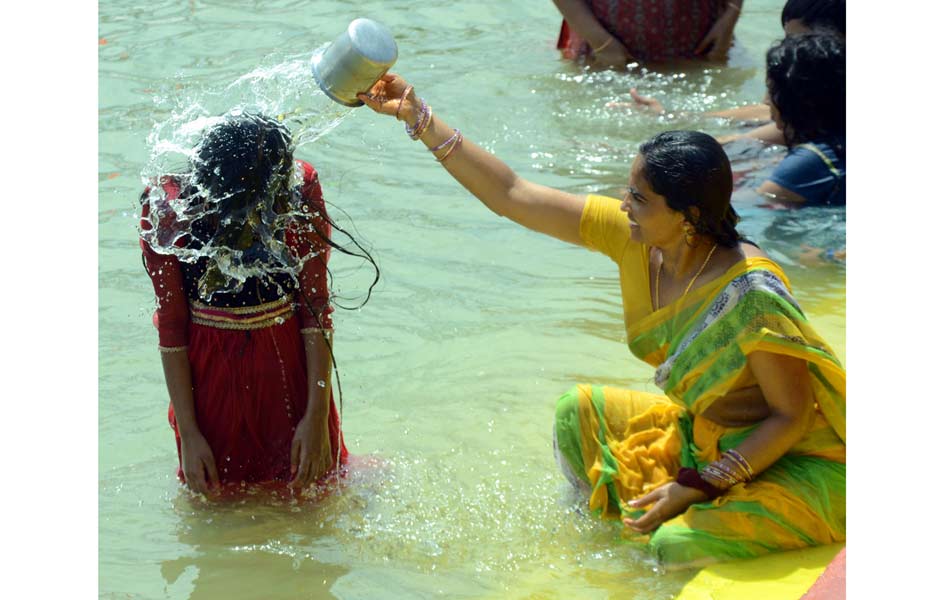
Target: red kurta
(248, 363)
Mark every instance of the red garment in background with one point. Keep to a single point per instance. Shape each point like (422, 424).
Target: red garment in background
(250, 386)
(650, 29)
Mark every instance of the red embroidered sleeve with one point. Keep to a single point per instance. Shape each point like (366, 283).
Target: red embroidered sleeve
(171, 317)
(313, 298)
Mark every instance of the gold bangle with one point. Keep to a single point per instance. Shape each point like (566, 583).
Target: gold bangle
(455, 144)
(714, 480)
(719, 472)
(604, 45)
(405, 94)
(166, 350)
(425, 127)
(741, 461)
(307, 330)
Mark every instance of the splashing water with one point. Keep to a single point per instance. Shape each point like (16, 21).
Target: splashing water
(247, 242)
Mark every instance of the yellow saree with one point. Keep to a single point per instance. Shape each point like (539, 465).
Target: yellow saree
(624, 443)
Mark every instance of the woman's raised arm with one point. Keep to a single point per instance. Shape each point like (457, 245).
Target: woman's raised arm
(534, 206)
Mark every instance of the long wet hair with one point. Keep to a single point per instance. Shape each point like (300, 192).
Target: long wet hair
(692, 172)
(242, 170)
(244, 163)
(242, 174)
(828, 14)
(806, 81)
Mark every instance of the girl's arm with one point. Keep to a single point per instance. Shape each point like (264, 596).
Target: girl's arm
(172, 319)
(534, 206)
(310, 451)
(197, 459)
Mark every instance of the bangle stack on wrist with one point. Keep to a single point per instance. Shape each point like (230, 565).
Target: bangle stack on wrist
(717, 477)
(728, 471)
(453, 142)
(422, 123)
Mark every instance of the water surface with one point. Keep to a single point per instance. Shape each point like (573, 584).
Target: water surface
(451, 372)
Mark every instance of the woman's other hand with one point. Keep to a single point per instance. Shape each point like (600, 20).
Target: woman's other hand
(386, 98)
(310, 453)
(717, 42)
(197, 462)
(613, 55)
(668, 501)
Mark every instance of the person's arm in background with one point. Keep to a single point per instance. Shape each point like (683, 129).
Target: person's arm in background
(781, 195)
(608, 50)
(750, 112)
(768, 133)
(715, 45)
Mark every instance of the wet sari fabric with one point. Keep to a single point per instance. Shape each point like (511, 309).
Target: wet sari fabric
(625, 443)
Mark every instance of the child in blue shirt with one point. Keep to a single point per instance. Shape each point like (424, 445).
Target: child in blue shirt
(806, 96)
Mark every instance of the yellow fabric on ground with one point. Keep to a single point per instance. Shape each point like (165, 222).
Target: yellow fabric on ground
(781, 576)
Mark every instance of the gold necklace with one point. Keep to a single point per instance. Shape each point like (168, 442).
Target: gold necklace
(659, 267)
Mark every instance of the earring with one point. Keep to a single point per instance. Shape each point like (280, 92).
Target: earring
(690, 234)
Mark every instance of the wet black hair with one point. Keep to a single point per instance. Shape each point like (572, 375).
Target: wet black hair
(816, 13)
(242, 161)
(692, 172)
(244, 165)
(806, 81)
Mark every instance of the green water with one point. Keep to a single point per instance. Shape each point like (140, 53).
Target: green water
(450, 373)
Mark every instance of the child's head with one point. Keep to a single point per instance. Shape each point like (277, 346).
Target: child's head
(244, 162)
(805, 75)
(804, 16)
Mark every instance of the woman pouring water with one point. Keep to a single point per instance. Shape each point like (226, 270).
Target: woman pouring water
(744, 451)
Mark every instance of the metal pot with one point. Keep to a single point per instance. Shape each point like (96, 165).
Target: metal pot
(354, 61)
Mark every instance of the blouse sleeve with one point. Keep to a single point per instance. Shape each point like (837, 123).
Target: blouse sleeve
(807, 172)
(171, 316)
(313, 298)
(604, 227)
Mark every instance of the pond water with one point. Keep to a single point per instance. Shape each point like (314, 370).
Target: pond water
(451, 371)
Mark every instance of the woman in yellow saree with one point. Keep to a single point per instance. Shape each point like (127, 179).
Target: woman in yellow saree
(744, 451)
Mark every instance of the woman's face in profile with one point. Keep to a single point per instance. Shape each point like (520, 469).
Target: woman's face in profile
(652, 221)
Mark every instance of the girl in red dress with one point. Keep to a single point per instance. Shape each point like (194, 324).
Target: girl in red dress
(237, 252)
